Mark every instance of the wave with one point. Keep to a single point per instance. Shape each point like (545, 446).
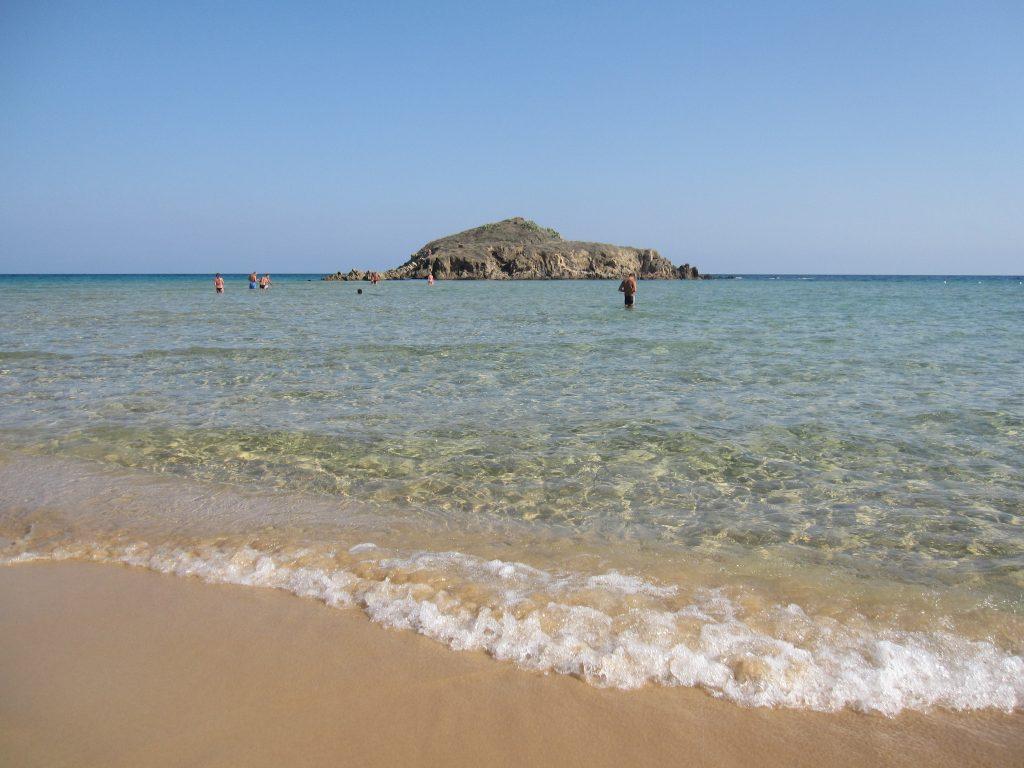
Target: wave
(615, 630)
(7, 355)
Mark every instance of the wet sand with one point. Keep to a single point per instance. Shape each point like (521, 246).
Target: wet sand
(107, 666)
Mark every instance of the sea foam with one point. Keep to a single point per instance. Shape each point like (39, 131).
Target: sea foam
(599, 629)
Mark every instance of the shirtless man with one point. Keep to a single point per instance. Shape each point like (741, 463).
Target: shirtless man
(265, 282)
(628, 287)
(218, 283)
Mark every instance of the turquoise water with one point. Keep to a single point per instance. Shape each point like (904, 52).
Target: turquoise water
(851, 446)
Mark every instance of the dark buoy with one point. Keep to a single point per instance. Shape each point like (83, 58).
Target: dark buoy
(359, 291)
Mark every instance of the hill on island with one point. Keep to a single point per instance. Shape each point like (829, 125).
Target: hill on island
(519, 249)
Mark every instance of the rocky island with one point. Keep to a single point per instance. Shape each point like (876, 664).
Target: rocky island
(519, 249)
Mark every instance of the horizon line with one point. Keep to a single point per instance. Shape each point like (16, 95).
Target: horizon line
(712, 274)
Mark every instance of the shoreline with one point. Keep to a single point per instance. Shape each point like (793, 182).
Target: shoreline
(613, 614)
(109, 665)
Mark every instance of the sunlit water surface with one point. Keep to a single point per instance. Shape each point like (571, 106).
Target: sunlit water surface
(807, 492)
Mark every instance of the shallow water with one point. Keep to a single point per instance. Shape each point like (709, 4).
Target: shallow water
(798, 491)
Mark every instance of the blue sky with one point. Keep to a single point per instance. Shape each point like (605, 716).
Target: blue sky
(849, 137)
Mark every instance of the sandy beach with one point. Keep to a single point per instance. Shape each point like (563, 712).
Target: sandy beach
(105, 665)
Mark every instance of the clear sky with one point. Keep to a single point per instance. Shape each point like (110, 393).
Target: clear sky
(850, 137)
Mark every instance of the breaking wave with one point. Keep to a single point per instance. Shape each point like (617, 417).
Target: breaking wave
(614, 629)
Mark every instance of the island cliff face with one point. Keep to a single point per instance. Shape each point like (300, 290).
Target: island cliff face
(518, 249)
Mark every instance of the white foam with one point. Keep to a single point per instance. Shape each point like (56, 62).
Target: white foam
(628, 585)
(542, 621)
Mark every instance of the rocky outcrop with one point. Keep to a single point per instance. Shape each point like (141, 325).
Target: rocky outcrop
(686, 272)
(353, 274)
(518, 249)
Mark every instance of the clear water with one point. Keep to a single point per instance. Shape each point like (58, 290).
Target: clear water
(814, 483)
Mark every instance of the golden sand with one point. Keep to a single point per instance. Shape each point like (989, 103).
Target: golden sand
(108, 666)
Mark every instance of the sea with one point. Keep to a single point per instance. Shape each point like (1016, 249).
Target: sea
(799, 491)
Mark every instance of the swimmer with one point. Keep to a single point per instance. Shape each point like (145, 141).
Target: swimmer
(265, 282)
(252, 281)
(430, 279)
(218, 283)
(628, 288)
(359, 291)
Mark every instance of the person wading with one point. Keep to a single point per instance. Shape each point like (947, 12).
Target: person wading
(628, 288)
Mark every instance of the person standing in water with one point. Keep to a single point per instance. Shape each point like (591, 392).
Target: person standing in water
(628, 288)
(265, 282)
(430, 279)
(218, 283)
(252, 281)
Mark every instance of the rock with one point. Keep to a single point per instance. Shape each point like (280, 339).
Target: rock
(353, 274)
(686, 272)
(518, 249)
